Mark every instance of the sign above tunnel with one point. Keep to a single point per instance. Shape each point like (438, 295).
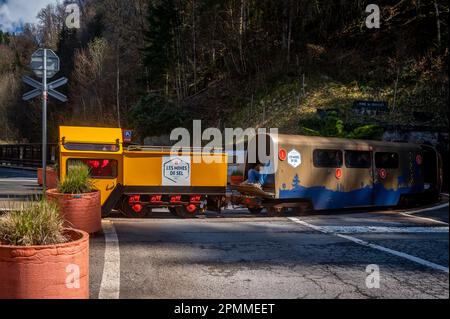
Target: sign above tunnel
(176, 171)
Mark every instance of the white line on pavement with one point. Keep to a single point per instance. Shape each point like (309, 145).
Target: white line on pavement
(110, 284)
(412, 213)
(424, 218)
(415, 259)
(427, 209)
(382, 229)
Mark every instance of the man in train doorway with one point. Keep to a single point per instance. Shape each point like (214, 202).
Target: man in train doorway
(258, 175)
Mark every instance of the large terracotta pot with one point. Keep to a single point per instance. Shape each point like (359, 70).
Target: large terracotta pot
(53, 271)
(51, 177)
(80, 211)
(236, 179)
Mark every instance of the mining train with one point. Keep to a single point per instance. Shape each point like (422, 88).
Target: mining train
(316, 172)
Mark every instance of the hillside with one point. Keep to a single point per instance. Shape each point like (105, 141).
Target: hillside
(156, 65)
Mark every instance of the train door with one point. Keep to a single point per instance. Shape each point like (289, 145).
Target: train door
(432, 170)
(358, 186)
(386, 172)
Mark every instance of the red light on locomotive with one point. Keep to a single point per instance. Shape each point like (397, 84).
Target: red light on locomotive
(419, 159)
(134, 199)
(338, 173)
(156, 199)
(382, 173)
(282, 154)
(195, 198)
(175, 199)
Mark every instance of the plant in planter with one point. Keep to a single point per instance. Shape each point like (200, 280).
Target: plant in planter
(237, 177)
(51, 177)
(78, 199)
(39, 257)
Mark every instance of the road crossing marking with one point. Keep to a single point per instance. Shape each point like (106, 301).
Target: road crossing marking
(328, 230)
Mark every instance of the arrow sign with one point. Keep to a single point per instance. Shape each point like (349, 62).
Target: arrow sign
(31, 94)
(57, 95)
(57, 83)
(39, 88)
(32, 82)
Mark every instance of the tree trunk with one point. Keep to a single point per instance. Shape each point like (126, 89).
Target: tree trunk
(438, 24)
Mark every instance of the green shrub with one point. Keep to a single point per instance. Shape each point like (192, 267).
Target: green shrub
(237, 173)
(77, 180)
(36, 223)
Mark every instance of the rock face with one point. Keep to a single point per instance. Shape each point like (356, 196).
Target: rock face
(421, 137)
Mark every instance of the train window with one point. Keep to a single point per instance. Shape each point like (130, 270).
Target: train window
(327, 158)
(100, 168)
(357, 159)
(386, 160)
(91, 147)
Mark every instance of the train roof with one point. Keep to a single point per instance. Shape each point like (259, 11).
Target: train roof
(317, 140)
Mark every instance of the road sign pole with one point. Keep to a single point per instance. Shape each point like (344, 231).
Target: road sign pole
(44, 124)
(45, 64)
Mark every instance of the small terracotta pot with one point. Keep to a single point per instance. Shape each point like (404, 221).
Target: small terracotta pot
(51, 177)
(80, 211)
(236, 179)
(55, 271)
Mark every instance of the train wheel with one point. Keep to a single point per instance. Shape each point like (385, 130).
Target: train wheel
(138, 211)
(173, 211)
(186, 211)
(255, 210)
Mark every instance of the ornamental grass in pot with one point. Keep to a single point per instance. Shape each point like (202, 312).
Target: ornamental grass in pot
(39, 257)
(78, 200)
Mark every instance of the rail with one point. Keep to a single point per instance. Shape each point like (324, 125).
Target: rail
(26, 155)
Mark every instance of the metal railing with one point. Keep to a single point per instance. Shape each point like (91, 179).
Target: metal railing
(26, 155)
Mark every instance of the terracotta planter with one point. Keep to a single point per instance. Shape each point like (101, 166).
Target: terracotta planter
(80, 211)
(51, 177)
(236, 179)
(53, 271)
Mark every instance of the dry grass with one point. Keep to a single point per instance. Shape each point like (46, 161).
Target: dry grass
(36, 223)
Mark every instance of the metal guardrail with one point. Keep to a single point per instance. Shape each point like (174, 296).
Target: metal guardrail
(26, 155)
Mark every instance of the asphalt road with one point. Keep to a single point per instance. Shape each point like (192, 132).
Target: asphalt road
(239, 255)
(242, 256)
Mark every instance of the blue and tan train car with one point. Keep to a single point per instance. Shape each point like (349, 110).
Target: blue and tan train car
(335, 173)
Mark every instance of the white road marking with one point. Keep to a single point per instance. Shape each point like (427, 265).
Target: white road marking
(411, 213)
(110, 284)
(382, 229)
(424, 218)
(415, 259)
(426, 209)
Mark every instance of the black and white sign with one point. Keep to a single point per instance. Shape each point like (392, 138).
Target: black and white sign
(176, 170)
(37, 62)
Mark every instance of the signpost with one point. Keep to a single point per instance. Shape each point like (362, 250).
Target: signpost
(45, 64)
